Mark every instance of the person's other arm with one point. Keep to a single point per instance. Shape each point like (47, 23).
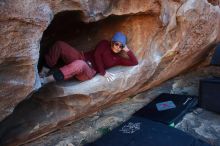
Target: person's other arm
(53, 55)
(99, 57)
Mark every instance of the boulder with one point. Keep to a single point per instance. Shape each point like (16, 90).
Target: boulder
(168, 37)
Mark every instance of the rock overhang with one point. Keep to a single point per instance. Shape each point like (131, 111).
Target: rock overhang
(154, 38)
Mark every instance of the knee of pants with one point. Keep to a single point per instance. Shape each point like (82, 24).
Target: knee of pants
(58, 43)
(81, 63)
(79, 66)
(74, 68)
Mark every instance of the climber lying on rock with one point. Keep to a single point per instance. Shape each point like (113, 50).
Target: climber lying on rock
(84, 65)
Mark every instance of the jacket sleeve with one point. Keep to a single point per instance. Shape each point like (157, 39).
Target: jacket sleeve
(99, 56)
(131, 61)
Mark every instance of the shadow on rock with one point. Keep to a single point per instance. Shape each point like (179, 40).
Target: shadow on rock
(39, 115)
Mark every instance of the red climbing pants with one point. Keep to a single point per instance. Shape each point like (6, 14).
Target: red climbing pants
(75, 64)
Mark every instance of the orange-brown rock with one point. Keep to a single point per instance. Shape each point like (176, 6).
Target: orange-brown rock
(168, 37)
(21, 29)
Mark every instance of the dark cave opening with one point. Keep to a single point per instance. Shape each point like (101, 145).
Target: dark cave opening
(65, 26)
(68, 26)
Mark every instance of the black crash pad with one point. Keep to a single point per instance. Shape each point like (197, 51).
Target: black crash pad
(168, 108)
(216, 56)
(139, 131)
(209, 94)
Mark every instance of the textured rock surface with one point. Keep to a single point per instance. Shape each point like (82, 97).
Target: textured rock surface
(21, 28)
(92, 127)
(202, 124)
(168, 37)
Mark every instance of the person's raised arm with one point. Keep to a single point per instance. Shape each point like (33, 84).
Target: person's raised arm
(131, 61)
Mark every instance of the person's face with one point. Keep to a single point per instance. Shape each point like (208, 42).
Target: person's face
(117, 47)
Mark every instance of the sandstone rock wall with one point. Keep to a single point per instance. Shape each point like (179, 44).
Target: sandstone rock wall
(168, 37)
(21, 28)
